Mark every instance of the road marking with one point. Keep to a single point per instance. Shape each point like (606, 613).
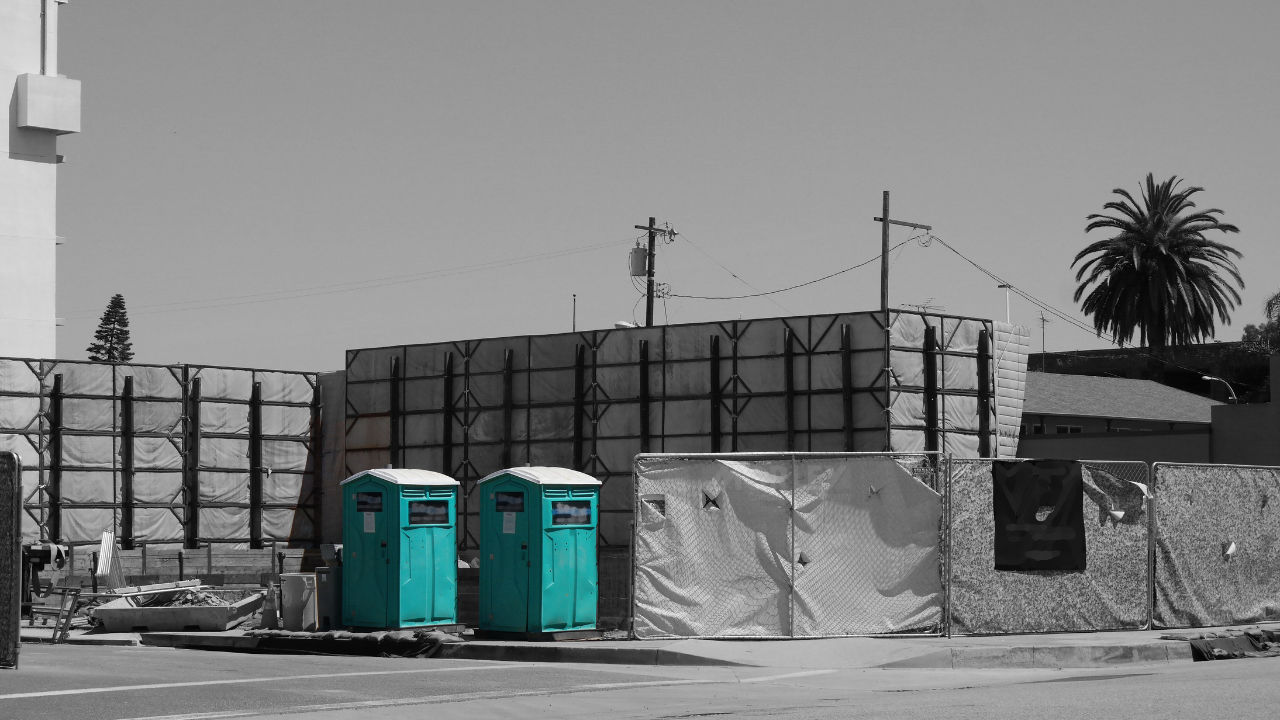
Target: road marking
(804, 673)
(241, 681)
(456, 697)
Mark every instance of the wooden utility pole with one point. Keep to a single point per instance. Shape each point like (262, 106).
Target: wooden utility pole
(648, 295)
(885, 222)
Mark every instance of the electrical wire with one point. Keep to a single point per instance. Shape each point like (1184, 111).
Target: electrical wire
(735, 275)
(792, 287)
(1059, 313)
(344, 287)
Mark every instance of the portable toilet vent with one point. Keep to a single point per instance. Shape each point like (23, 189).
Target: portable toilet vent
(538, 573)
(400, 549)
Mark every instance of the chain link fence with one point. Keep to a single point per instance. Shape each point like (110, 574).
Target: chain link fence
(1217, 544)
(787, 545)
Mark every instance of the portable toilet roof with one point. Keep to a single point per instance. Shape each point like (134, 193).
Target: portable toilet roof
(405, 476)
(545, 476)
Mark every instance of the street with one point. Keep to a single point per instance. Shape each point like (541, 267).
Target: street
(118, 683)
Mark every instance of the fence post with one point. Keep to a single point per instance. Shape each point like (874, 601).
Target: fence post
(255, 466)
(931, 392)
(191, 470)
(53, 524)
(508, 405)
(126, 464)
(394, 450)
(715, 393)
(446, 420)
(984, 394)
(644, 396)
(579, 404)
(846, 385)
(10, 559)
(789, 386)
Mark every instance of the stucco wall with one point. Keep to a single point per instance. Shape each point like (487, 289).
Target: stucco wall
(28, 199)
(1188, 446)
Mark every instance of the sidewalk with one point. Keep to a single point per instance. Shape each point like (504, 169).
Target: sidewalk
(1058, 650)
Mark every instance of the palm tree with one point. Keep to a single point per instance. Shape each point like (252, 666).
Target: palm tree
(1158, 275)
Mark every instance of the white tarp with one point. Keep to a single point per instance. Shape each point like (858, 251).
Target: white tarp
(1012, 343)
(793, 545)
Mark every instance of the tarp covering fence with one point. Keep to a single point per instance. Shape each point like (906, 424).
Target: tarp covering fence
(810, 544)
(1109, 594)
(592, 400)
(161, 454)
(790, 545)
(1217, 536)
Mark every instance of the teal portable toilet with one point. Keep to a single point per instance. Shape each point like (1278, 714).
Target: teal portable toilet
(399, 549)
(538, 574)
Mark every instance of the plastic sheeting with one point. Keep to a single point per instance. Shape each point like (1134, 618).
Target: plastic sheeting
(1109, 595)
(785, 546)
(90, 466)
(468, 408)
(1012, 343)
(1217, 552)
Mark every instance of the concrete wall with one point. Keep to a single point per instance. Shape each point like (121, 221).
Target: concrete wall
(1188, 446)
(28, 186)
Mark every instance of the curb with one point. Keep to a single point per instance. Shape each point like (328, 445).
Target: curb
(85, 640)
(1084, 656)
(579, 654)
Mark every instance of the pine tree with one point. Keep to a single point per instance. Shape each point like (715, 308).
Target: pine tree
(111, 341)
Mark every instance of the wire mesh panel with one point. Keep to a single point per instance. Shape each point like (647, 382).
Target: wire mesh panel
(1110, 594)
(786, 545)
(1217, 554)
(714, 554)
(867, 546)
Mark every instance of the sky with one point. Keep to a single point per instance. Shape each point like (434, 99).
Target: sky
(272, 183)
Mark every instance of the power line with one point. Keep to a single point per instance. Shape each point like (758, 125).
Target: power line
(792, 287)
(735, 275)
(1059, 313)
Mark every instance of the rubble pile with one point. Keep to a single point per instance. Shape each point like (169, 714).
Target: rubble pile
(195, 598)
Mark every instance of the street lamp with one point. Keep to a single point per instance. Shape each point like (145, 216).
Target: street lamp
(1230, 392)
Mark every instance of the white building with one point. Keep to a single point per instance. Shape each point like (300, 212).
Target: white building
(42, 106)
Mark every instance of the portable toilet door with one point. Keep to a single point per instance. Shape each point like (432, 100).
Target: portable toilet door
(428, 555)
(538, 571)
(505, 552)
(399, 549)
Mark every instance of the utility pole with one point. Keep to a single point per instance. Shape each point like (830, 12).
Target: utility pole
(1006, 301)
(653, 230)
(1043, 321)
(885, 222)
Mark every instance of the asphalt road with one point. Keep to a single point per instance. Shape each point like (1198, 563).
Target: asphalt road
(104, 683)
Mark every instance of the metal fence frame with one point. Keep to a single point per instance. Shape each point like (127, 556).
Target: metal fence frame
(46, 435)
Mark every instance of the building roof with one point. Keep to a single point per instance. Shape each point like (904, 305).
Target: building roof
(405, 476)
(546, 476)
(1110, 397)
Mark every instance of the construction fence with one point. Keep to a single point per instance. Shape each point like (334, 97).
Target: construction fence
(873, 381)
(162, 454)
(808, 545)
